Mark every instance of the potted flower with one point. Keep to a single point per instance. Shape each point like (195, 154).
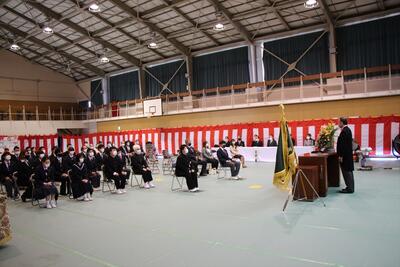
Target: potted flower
(325, 139)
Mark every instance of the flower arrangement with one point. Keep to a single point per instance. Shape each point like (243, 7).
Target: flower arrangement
(325, 137)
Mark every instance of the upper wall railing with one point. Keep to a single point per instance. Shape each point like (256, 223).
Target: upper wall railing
(357, 83)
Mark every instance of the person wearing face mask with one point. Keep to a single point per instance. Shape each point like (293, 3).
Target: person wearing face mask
(7, 176)
(113, 171)
(271, 141)
(208, 156)
(240, 142)
(236, 154)
(101, 157)
(67, 164)
(81, 187)
(44, 183)
(66, 151)
(227, 142)
(140, 166)
(127, 148)
(91, 164)
(187, 167)
(36, 160)
(124, 160)
(24, 171)
(84, 150)
(15, 155)
(195, 158)
(107, 149)
(60, 174)
(5, 151)
(256, 141)
(309, 141)
(226, 161)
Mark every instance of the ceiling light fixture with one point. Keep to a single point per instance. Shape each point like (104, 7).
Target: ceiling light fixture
(94, 7)
(47, 30)
(219, 26)
(15, 47)
(103, 57)
(152, 44)
(311, 4)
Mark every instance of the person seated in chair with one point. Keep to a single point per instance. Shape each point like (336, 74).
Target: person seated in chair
(309, 141)
(81, 187)
(91, 165)
(124, 160)
(101, 157)
(240, 142)
(226, 161)
(67, 163)
(271, 141)
(113, 170)
(56, 160)
(208, 156)
(7, 176)
(227, 141)
(44, 183)
(195, 158)
(127, 148)
(24, 171)
(256, 141)
(139, 166)
(187, 167)
(25, 159)
(236, 154)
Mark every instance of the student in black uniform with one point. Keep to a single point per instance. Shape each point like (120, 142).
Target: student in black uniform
(44, 183)
(186, 167)
(91, 164)
(101, 157)
(7, 177)
(24, 171)
(81, 187)
(139, 166)
(60, 175)
(113, 170)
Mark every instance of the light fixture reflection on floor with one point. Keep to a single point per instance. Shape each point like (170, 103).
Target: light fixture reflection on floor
(94, 7)
(15, 47)
(311, 4)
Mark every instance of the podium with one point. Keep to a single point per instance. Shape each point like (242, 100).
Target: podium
(328, 165)
(303, 189)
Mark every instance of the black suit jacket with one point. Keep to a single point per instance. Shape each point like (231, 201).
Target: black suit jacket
(345, 149)
(113, 164)
(272, 143)
(223, 156)
(240, 143)
(257, 143)
(184, 165)
(43, 176)
(138, 162)
(7, 172)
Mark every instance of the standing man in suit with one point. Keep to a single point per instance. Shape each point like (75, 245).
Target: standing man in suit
(345, 153)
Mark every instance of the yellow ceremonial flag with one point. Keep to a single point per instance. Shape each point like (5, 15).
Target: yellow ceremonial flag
(286, 160)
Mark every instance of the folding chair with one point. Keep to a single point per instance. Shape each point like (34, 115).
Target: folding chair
(109, 182)
(138, 184)
(222, 169)
(34, 201)
(179, 180)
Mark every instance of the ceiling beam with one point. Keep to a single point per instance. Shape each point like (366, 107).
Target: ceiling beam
(51, 14)
(51, 48)
(239, 27)
(188, 19)
(138, 17)
(58, 35)
(4, 2)
(271, 7)
(327, 12)
(381, 4)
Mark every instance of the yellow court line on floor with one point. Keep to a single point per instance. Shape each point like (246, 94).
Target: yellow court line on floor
(255, 186)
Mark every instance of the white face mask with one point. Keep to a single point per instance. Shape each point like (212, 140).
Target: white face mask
(41, 156)
(308, 138)
(71, 153)
(91, 154)
(102, 150)
(114, 153)
(81, 160)
(47, 165)
(138, 152)
(8, 157)
(185, 151)
(108, 145)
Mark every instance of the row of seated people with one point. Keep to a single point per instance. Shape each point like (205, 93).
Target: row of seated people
(270, 143)
(76, 172)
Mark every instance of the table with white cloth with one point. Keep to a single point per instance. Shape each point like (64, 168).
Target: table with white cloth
(268, 154)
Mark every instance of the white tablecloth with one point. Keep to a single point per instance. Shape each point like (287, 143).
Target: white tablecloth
(268, 154)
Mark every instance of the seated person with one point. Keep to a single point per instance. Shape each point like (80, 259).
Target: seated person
(81, 187)
(227, 142)
(101, 157)
(151, 151)
(139, 166)
(127, 148)
(113, 170)
(44, 183)
(124, 160)
(256, 141)
(24, 171)
(187, 167)
(91, 165)
(194, 157)
(60, 175)
(226, 161)
(15, 155)
(271, 141)
(7, 176)
(208, 156)
(236, 154)
(240, 142)
(309, 141)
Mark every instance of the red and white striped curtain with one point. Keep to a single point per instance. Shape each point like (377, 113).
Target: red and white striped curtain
(46, 141)
(374, 132)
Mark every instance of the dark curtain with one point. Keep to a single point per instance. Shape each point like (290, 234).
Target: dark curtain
(221, 69)
(124, 86)
(95, 93)
(315, 61)
(370, 44)
(164, 73)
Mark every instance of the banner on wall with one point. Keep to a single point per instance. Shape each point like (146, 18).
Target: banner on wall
(374, 132)
(8, 142)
